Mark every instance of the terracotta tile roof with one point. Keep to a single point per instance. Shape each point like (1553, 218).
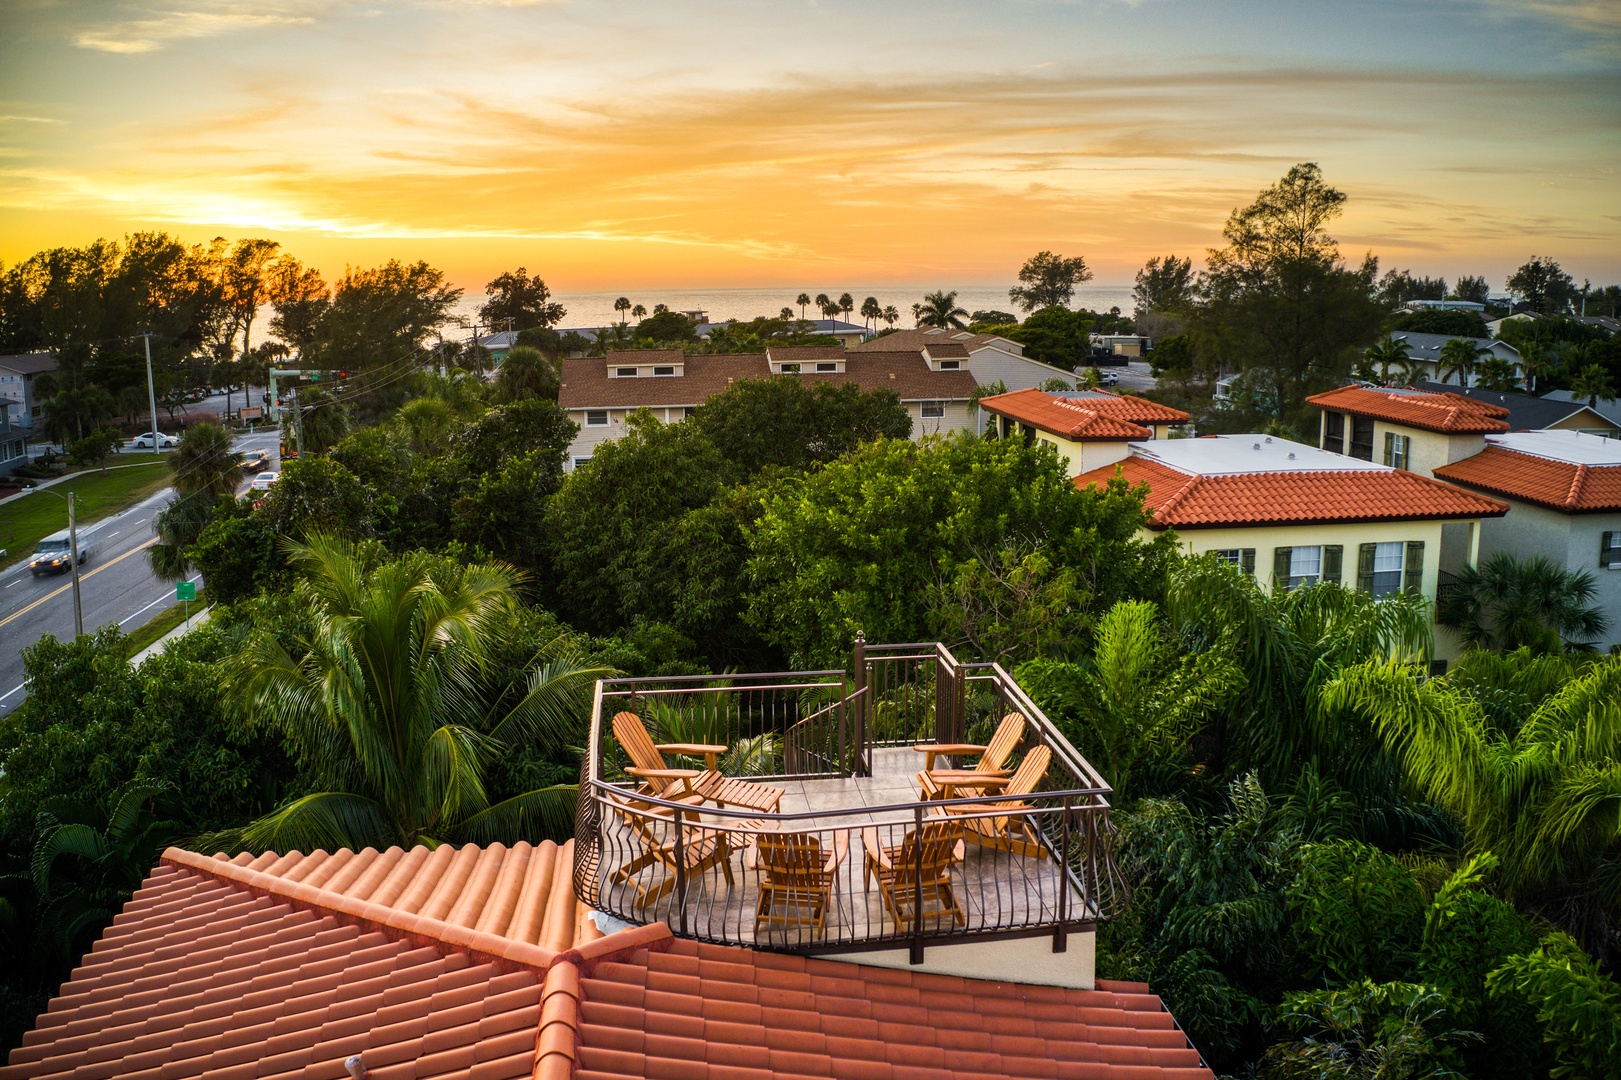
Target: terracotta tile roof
(641, 356)
(1560, 485)
(1093, 414)
(681, 1009)
(586, 384)
(1186, 500)
(1452, 414)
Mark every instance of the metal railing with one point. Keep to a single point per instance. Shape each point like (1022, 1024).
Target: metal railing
(854, 856)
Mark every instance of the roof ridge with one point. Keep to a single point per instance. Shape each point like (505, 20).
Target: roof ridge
(1577, 480)
(397, 924)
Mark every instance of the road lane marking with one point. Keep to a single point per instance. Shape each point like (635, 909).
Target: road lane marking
(24, 611)
(13, 690)
(19, 581)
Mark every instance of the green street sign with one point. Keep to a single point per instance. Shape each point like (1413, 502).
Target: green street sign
(185, 590)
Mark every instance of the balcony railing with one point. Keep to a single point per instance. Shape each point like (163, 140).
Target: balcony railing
(854, 857)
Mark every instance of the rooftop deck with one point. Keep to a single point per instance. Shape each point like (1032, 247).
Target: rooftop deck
(853, 849)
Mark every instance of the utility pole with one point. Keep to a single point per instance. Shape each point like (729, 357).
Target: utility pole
(152, 400)
(298, 419)
(73, 554)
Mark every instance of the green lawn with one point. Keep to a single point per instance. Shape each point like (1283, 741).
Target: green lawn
(24, 521)
(163, 622)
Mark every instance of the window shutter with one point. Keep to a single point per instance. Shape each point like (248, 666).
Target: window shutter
(1606, 549)
(1333, 560)
(1280, 568)
(1364, 567)
(1390, 447)
(1246, 560)
(1413, 567)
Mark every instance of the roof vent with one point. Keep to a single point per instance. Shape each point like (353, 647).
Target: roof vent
(355, 1067)
(1269, 438)
(1255, 446)
(1291, 455)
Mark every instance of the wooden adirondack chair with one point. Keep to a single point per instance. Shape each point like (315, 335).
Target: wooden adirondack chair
(647, 765)
(992, 756)
(797, 875)
(914, 876)
(653, 828)
(1001, 825)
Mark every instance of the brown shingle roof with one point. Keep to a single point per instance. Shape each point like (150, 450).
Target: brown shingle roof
(586, 384)
(793, 353)
(642, 356)
(1189, 500)
(1560, 485)
(29, 363)
(947, 350)
(1451, 414)
(917, 339)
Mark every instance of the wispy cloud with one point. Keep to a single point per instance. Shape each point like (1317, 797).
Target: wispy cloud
(157, 28)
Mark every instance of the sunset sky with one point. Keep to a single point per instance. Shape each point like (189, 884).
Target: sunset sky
(725, 143)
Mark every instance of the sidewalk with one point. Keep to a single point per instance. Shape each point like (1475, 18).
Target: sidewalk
(179, 631)
(37, 485)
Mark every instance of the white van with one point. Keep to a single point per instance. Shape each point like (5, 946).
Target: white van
(51, 556)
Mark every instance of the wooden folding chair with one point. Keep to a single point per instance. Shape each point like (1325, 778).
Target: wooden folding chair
(797, 877)
(647, 765)
(992, 756)
(998, 824)
(654, 830)
(914, 876)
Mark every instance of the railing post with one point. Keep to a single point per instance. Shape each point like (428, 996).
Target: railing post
(680, 873)
(1060, 941)
(917, 884)
(861, 703)
(844, 707)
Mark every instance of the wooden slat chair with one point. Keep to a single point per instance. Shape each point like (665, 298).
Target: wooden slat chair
(914, 876)
(992, 756)
(1004, 827)
(654, 830)
(797, 876)
(647, 765)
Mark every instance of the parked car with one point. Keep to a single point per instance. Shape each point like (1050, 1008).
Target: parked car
(52, 554)
(1109, 378)
(263, 481)
(143, 441)
(256, 461)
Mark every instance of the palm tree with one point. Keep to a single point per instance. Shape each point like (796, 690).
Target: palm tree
(178, 525)
(786, 314)
(395, 709)
(1508, 603)
(823, 304)
(622, 305)
(1540, 792)
(940, 309)
(871, 312)
(1137, 694)
(205, 462)
(1594, 382)
(1389, 352)
(526, 372)
(638, 312)
(917, 313)
(847, 304)
(891, 316)
(75, 410)
(803, 300)
(1458, 357)
(1533, 361)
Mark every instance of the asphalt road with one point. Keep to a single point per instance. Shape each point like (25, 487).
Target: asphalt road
(117, 585)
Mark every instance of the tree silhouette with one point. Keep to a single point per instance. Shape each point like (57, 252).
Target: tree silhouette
(622, 305)
(1459, 357)
(803, 300)
(940, 309)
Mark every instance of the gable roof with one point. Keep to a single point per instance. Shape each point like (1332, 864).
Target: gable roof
(922, 336)
(1562, 470)
(1183, 497)
(792, 353)
(286, 966)
(947, 350)
(643, 356)
(586, 385)
(1427, 347)
(1525, 413)
(1448, 413)
(1084, 414)
(28, 363)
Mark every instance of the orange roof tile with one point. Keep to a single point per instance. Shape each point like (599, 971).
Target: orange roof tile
(1451, 414)
(1098, 415)
(1561, 485)
(1186, 500)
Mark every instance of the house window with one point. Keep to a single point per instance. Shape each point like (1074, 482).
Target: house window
(934, 410)
(1609, 550)
(596, 418)
(1243, 558)
(1384, 569)
(1293, 567)
(950, 365)
(1362, 437)
(664, 371)
(1334, 432)
(827, 367)
(790, 369)
(625, 372)
(1398, 449)
(689, 412)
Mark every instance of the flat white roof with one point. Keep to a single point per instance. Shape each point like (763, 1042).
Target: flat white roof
(1231, 455)
(1571, 447)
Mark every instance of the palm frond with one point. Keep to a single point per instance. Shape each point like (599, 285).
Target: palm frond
(543, 814)
(324, 821)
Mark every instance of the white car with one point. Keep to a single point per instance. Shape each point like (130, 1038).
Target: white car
(263, 481)
(144, 440)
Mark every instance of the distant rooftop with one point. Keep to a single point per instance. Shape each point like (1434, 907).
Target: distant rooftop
(1571, 447)
(1444, 412)
(1233, 455)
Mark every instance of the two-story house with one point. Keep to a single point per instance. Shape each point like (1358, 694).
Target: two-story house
(1089, 428)
(991, 359)
(13, 440)
(17, 375)
(1411, 429)
(1425, 350)
(600, 393)
(1297, 515)
(1564, 488)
